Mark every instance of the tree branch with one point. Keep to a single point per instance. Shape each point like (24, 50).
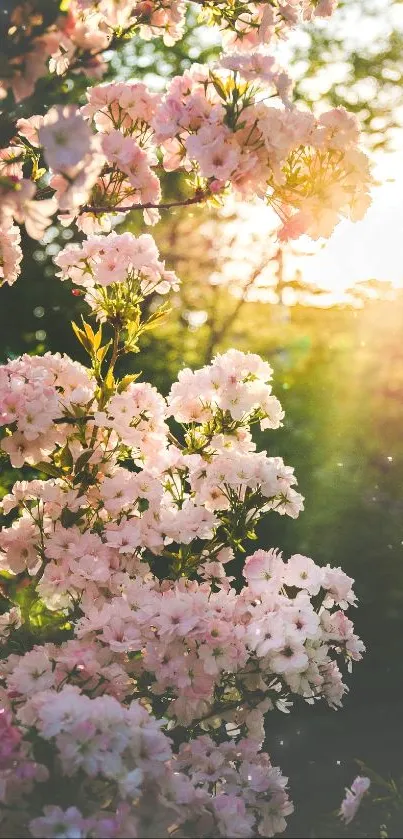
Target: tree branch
(198, 198)
(73, 420)
(217, 334)
(120, 38)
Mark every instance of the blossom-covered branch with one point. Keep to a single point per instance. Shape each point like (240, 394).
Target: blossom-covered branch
(135, 675)
(73, 37)
(213, 127)
(122, 572)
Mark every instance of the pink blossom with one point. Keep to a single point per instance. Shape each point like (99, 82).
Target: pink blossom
(10, 252)
(34, 214)
(264, 571)
(302, 572)
(59, 824)
(65, 137)
(353, 798)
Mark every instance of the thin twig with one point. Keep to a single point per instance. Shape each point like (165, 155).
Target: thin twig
(196, 199)
(73, 420)
(121, 37)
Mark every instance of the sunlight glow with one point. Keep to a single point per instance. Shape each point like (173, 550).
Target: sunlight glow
(369, 249)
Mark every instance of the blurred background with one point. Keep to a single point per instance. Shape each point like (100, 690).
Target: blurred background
(330, 321)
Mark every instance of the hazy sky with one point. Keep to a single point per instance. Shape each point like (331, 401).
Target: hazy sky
(372, 248)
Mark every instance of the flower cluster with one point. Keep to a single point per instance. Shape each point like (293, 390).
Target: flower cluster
(76, 40)
(230, 128)
(131, 564)
(73, 153)
(116, 271)
(231, 789)
(34, 392)
(18, 769)
(263, 644)
(135, 675)
(219, 129)
(10, 252)
(18, 204)
(235, 383)
(50, 411)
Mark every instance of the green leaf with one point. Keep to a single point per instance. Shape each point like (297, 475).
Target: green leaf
(110, 380)
(48, 469)
(132, 336)
(88, 330)
(68, 518)
(94, 338)
(108, 388)
(372, 775)
(98, 338)
(66, 457)
(155, 319)
(143, 504)
(82, 337)
(101, 353)
(82, 460)
(126, 381)
(219, 86)
(24, 596)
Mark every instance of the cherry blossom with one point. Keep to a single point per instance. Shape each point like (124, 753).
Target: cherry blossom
(65, 137)
(352, 801)
(78, 39)
(10, 252)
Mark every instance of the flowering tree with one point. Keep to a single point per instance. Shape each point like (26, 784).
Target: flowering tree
(135, 673)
